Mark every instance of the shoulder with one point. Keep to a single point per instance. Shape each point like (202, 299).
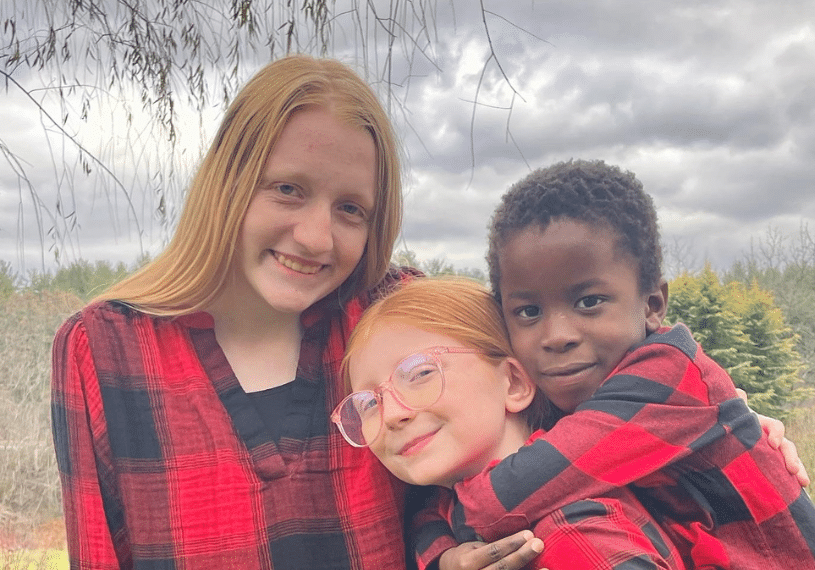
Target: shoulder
(111, 315)
(670, 365)
(99, 323)
(672, 347)
(85, 337)
(394, 278)
(677, 336)
(87, 315)
(675, 347)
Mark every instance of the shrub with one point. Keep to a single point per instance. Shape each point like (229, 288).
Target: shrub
(29, 483)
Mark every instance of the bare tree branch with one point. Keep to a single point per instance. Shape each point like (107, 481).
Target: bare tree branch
(179, 55)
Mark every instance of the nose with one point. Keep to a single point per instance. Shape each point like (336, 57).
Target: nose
(394, 413)
(559, 333)
(313, 230)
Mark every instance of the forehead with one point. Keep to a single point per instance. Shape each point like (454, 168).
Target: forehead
(387, 344)
(563, 253)
(317, 147)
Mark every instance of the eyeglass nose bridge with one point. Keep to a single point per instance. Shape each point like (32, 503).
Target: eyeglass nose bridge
(396, 397)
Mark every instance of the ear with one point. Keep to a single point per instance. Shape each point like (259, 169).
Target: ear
(656, 306)
(521, 390)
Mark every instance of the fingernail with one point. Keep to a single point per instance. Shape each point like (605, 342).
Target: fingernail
(537, 545)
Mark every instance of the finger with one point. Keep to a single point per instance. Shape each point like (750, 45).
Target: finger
(742, 394)
(775, 431)
(790, 455)
(510, 553)
(519, 558)
(803, 476)
(793, 462)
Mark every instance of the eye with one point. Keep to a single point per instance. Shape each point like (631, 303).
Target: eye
(287, 189)
(590, 302)
(354, 211)
(366, 404)
(420, 374)
(528, 312)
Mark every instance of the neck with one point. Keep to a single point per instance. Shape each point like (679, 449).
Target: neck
(262, 347)
(516, 434)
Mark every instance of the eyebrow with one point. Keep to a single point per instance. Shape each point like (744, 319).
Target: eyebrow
(587, 284)
(302, 179)
(577, 288)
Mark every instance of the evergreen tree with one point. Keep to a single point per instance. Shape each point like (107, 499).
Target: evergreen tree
(699, 302)
(744, 332)
(771, 348)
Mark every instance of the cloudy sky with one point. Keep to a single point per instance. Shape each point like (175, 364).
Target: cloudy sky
(710, 103)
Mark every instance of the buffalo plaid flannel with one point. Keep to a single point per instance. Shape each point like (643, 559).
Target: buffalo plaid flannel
(611, 532)
(165, 464)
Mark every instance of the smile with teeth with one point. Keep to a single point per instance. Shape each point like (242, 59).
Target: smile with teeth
(298, 266)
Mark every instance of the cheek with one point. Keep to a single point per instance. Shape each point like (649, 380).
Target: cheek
(523, 344)
(378, 449)
(631, 334)
(353, 243)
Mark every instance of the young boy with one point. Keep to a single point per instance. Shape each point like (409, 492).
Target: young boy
(438, 397)
(575, 261)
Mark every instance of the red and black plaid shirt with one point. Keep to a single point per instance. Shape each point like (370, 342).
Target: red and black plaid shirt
(165, 463)
(611, 532)
(668, 424)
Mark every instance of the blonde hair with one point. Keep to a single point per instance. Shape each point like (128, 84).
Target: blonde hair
(457, 307)
(191, 271)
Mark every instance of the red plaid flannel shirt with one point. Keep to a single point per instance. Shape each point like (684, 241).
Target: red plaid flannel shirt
(668, 424)
(613, 531)
(165, 464)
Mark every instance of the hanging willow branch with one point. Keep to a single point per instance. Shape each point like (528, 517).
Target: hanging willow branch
(75, 59)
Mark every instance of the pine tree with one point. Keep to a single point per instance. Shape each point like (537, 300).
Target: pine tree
(744, 332)
(699, 302)
(771, 348)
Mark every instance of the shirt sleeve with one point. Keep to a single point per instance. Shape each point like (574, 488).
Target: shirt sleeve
(90, 508)
(654, 410)
(429, 533)
(603, 533)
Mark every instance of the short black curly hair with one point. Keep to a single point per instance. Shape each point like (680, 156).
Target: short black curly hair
(587, 191)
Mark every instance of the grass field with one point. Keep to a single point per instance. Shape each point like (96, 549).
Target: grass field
(38, 559)
(31, 527)
(801, 430)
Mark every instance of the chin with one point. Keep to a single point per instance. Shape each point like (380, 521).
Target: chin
(292, 306)
(419, 479)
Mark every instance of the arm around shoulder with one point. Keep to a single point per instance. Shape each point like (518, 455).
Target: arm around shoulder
(645, 416)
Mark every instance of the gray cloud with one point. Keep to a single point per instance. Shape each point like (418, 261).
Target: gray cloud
(711, 104)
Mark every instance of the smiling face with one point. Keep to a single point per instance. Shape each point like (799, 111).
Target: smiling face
(307, 223)
(573, 306)
(476, 420)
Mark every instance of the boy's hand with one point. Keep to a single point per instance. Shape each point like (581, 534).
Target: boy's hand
(775, 434)
(510, 553)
